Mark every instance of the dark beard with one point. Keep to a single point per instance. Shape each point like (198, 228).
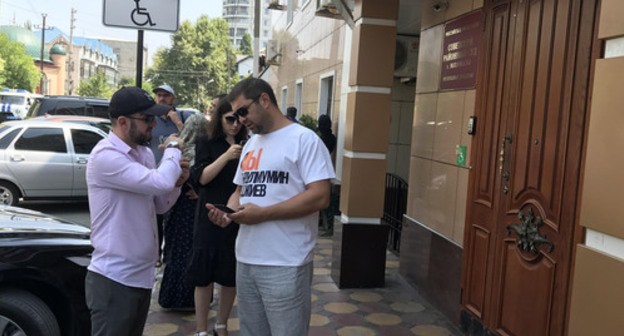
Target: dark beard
(138, 138)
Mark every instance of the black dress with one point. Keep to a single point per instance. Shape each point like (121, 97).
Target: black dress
(175, 292)
(213, 258)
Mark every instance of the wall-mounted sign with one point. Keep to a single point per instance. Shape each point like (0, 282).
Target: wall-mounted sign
(460, 56)
(161, 15)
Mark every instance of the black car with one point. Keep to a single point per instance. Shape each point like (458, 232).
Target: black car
(43, 264)
(69, 105)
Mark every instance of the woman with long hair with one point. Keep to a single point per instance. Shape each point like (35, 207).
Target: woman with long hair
(213, 247)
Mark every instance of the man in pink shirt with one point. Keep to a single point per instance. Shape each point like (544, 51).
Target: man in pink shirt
(126, 191)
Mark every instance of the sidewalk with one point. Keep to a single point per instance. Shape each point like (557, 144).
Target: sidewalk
(395, 310)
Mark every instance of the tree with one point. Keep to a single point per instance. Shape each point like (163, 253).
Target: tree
(199, 64)
(245, 45)
(127, 81)
(96, 86)
(18, 69)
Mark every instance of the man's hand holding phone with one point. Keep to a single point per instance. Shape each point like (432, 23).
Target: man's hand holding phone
(218, 214)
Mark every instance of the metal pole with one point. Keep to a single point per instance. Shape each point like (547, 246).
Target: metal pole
(42, 49)
(256, 51)
(139, 66)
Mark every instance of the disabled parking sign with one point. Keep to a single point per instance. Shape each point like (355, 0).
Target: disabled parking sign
(163, 15)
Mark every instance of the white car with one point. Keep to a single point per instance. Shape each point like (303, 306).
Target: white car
(17, 102)
(41, 159)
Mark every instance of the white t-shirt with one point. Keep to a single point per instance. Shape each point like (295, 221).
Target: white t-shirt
(275, 167)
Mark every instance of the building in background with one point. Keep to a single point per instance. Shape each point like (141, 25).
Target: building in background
(126, 51)
(54, 58)
(87, 57)
(239, 14)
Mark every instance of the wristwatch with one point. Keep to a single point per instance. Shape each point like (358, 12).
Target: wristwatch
(173, 144)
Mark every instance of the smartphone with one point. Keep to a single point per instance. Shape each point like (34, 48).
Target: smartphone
(223, 208)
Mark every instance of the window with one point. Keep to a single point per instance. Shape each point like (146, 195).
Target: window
(100, 111)
(7, 139)
(284, 94)
(298, 93)
(68, 108)
(290, 12)
(84, 140)
(42, 139)
(325, 96)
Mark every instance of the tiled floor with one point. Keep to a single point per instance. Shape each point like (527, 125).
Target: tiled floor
(394, 310)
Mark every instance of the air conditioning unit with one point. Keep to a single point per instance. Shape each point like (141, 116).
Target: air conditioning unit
(326, 8)
(273, 56)
(275, 5)
(406, 56)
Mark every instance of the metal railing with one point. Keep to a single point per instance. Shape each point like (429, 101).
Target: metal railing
(395, 205)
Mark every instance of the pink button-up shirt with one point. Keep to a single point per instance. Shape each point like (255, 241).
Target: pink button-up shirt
(126, 191)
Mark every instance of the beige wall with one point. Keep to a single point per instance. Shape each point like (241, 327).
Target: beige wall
(438, 186)
(311, 47)
(597, 291)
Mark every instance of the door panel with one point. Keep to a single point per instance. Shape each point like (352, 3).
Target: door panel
(532, 98)
(485, 184)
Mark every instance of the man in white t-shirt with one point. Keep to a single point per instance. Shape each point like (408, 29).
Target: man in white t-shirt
(283, 181)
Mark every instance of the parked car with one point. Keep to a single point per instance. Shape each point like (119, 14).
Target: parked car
(101, 123)
(69, 105)
(44, 160)
(16, 102)
(43, 264)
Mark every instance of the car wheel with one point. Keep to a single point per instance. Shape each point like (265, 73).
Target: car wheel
(22, 313)
(9, 194)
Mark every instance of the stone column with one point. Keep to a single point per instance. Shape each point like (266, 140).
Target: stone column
(359, 251)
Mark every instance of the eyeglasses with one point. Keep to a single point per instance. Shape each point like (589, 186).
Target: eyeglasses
(148, 119)
(231, 119)
(243, 111)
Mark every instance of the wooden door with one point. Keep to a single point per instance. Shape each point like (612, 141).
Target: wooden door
(531, 111)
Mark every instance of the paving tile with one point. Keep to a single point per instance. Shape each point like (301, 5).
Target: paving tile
(395, 310)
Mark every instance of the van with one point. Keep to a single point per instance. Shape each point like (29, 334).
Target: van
(16, 102)
(69, 105)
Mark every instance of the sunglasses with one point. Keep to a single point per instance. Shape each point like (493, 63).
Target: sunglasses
(231, 119)
(148, 119)
(242, 112)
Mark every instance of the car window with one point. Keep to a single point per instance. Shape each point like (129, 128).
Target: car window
(68, 108)
(8, 138)
(84, 140)
(34, 108)
(46, 139)
(18, 100)
(100, 111)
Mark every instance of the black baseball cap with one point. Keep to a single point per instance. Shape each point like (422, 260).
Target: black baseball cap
(132, 99)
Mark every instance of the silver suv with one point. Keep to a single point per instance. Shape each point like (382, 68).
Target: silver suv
(44, 159)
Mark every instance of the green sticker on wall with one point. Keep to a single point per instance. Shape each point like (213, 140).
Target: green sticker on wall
(461, 155)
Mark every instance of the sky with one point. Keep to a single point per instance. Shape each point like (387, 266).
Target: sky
(89, 18)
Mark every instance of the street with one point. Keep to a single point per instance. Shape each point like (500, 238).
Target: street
(74, 211)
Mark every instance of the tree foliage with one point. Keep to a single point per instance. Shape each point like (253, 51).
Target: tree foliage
(17, 68)
(96, 86)
(245, 45)
(199, 64)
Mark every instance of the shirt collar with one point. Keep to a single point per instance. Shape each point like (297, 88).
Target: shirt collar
(118, 143)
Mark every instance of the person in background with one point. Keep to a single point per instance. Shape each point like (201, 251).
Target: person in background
(291, 114)
(213, 247)
(215, 102)
(329, 139)
(175, 292)
(166, 125)
(126, 190)
(283, 180)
